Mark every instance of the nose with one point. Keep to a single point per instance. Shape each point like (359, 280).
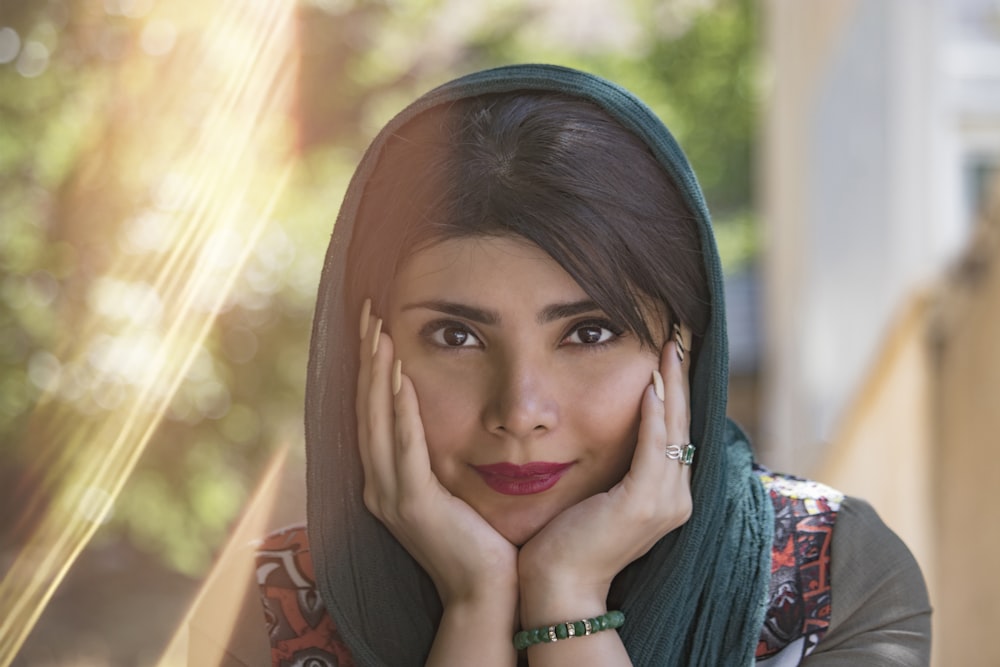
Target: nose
(522, 400)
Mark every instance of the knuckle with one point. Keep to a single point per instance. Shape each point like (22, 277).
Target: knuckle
(646, 511)
(685, 512)
(408, 511)
(682, 509)
(677, 421)
(371, 500)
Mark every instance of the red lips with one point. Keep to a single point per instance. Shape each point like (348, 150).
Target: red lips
(519, 480)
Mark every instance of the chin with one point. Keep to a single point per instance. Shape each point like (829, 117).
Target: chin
(518, 531)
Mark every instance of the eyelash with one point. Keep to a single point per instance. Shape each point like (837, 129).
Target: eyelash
(432, 330)
(616, 333)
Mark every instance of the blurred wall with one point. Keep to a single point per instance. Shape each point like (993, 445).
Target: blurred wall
(882, 293)
(858, 200)
(967, 460)
(919, 441)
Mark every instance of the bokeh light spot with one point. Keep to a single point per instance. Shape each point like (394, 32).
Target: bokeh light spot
(10, 45)
(44, 288)
(241, 425)
(240, 344)
(34, 59)
(44, 370)
(109, 394)
(158, 37)
(147, 232)
(137, 302)
(94, 505)
(212, 399)
(135, 8)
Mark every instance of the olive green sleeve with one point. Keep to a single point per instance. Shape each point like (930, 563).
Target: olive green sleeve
(880, 611)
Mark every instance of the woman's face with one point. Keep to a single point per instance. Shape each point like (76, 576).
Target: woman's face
(529, 394)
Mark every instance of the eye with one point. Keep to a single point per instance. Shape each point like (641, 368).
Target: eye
(452, 335)
(592, 333)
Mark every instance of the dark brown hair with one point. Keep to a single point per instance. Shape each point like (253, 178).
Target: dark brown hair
(550, 168)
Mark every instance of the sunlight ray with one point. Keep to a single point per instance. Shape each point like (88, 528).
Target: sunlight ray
(227, 178)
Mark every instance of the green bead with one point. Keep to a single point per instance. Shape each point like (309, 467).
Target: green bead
(609, 621)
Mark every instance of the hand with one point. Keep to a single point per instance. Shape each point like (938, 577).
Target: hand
(468, 560)
(567, 568)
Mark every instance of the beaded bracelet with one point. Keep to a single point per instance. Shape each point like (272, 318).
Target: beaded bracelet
(553, 633)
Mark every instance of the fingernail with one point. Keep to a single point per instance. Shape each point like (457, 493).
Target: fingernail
(397, 376)
(658, 384)
(366, 313)
(679, 342)
(375, 335)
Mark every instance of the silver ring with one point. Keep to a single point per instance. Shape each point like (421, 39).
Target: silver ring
(682, 453)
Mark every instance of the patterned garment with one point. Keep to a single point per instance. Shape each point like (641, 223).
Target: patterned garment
(799, 611)
(302, 634)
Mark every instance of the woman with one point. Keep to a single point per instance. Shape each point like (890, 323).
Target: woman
(529, 436)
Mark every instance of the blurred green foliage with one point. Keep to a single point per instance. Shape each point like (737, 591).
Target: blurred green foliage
(73, 185)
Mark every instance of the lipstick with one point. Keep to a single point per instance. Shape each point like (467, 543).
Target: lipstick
(520, 480)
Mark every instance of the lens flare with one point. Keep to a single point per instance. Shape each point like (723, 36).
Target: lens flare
(212, 189)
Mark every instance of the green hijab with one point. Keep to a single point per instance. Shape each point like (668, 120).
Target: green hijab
(697, 598)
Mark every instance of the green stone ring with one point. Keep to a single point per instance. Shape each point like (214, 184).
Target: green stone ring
(682, 453)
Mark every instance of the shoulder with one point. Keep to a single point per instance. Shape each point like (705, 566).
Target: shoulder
(264, 609)
(298, 625)
(800, 592)
(881, 611)
(843, 587)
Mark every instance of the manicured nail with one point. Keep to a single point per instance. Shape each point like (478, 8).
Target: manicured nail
(375, 335)
(397, 376)
(679, 343)
(366, 313)
(658, 384)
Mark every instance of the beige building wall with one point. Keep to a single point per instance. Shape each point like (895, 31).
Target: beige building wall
(920, 442)
(884, 449)
(882, 361)
(853, 190)
(966, 458)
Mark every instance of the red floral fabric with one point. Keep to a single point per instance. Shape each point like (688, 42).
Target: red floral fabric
(799, 607)
(302, 633)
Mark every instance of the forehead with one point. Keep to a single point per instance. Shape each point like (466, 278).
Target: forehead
(478, 269)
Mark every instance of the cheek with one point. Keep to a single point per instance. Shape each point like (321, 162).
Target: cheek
(448, 409)
(607, 405)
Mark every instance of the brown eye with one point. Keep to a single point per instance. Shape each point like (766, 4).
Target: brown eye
(451, 335)
(592, 333)
(454, 337)
(589, 334)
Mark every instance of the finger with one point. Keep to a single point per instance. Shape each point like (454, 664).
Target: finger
(647, 462)
(675, 394)
(381, 421)
(688, 337)
(413, 466)
(367, 327)
(677, 413)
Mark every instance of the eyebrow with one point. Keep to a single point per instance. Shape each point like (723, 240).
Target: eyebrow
(550, 313)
